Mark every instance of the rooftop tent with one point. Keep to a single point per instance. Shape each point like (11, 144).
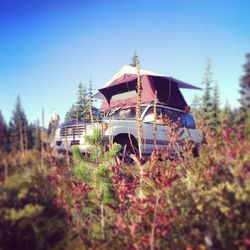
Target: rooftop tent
(121, 89)
(125, 70)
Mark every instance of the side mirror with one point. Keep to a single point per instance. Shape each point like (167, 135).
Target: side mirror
(148, 118)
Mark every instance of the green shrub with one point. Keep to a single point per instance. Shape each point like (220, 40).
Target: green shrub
(29, 219)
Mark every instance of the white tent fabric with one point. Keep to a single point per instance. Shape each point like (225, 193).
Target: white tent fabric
(128, 69)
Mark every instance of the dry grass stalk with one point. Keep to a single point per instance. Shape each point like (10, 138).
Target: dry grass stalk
(111, 137)
(77, 125)
(21, 135)
(131, 141)
(144, 133)
(25, 137)
(141, 174)
(152, 236)
(155, 118)
(6, 173)
(139, 126)
(138, 110)
(42, 141)
(91, 115)
(66, 141)
(102, 220)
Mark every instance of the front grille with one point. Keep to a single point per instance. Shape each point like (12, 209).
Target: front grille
(73, 130)
(76, 142)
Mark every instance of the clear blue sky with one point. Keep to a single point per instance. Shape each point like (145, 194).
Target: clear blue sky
(48, 46)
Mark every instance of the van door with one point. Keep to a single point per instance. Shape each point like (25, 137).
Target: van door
(194, 134)
(176, 117)
(153, 137)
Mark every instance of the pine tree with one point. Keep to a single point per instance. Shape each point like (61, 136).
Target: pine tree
(3, 134)
(196, 105)
(37, 137)
(81, 109)
(227, 115)
(207, 105)
(90, 101)
(245, 88)
(135, 60)
(215, 118)
(30, 136)
(18, 127)
(82, 102)
(90, 95)
(244, 112)
(71, 114)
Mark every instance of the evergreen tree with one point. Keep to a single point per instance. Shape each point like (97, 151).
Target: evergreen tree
(37, 137)
(31, 135)
(82, 101)
(71, 114)
(227, 114)
(3, 134)
(81, 109)
(196, 105)
(95, 111)
(18, 127)
(90, 95)
(244, 114)
(245, 88)
(247, 124)
(215, 119)
(207, 104)
(135, 60)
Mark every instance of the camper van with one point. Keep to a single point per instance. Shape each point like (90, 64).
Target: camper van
(119, 97)
(120, 126)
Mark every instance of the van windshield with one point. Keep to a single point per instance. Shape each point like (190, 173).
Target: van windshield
(125, 113)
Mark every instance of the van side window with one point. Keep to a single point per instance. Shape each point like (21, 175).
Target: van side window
(175, 116)
(159, 119)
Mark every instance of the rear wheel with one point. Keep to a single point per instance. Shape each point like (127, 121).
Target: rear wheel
(195, 151)
(127, 149)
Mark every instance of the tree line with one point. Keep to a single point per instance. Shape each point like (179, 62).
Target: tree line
(83, 107)
(20, 135)
(208, 108)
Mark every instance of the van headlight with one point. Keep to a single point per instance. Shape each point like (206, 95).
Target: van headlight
(57, 134)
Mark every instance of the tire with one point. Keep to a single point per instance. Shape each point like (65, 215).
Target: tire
(195, 152)
(127, 149)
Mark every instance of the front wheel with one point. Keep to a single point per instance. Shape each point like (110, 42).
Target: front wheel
(126, 150)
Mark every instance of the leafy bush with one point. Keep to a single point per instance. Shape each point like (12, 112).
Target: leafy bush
(29, 219)
(176, 203)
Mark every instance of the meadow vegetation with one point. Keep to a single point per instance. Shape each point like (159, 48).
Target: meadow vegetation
(99, 202)
(170, 201)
